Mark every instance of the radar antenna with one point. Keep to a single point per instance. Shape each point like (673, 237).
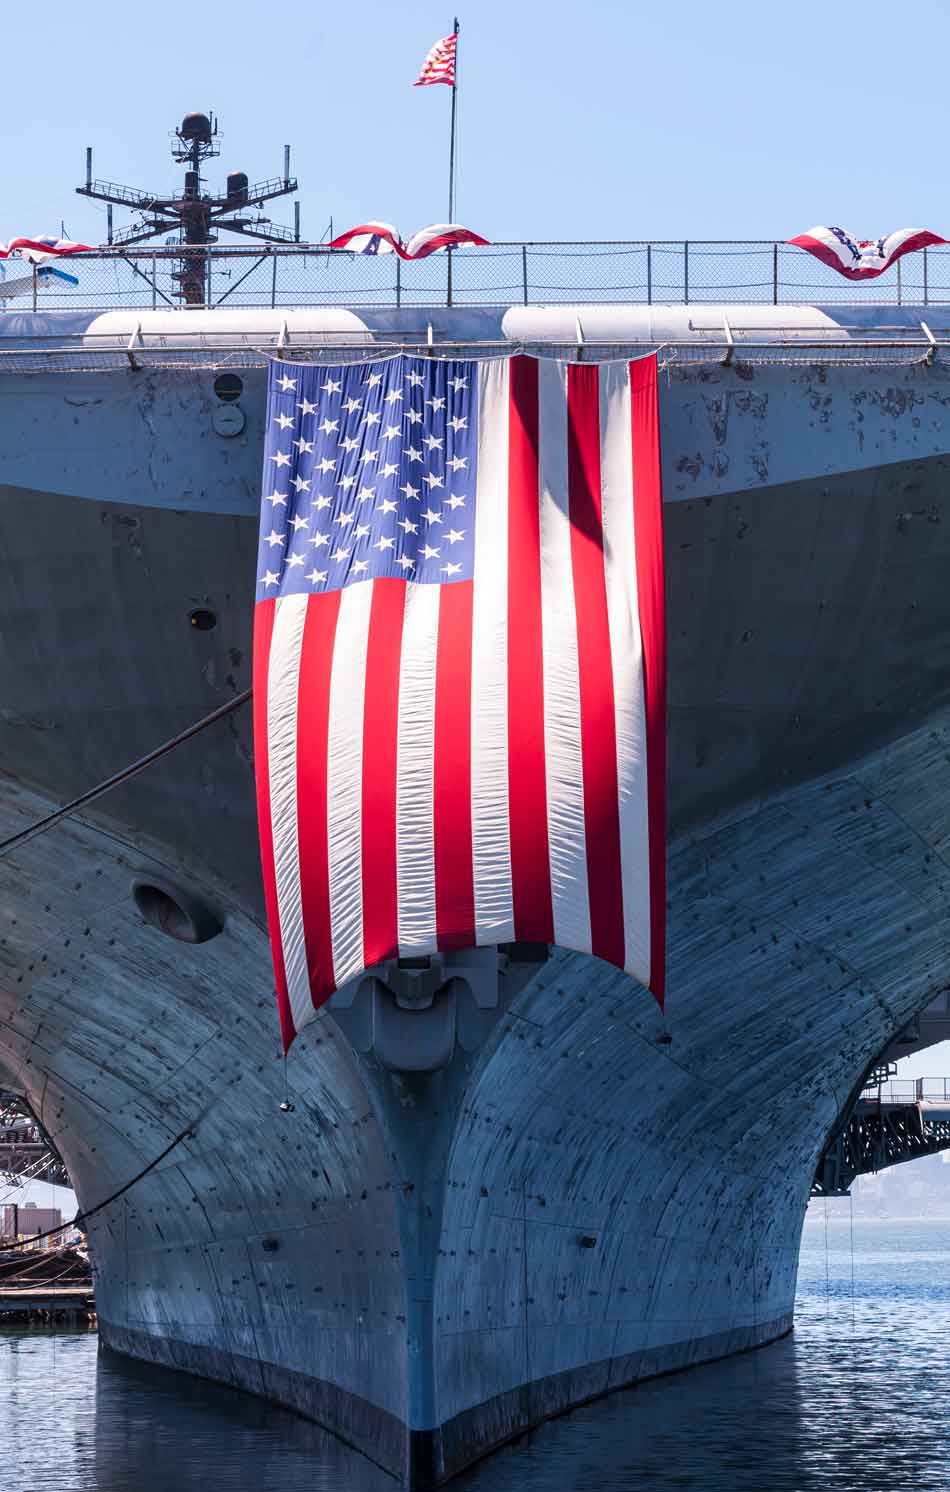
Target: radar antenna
(193, 215)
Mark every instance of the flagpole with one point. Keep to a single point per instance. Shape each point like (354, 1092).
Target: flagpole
(455, 32)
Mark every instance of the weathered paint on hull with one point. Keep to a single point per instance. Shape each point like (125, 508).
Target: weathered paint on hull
(450, 1258)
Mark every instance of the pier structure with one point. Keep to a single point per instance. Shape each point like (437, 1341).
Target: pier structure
(540, 1188)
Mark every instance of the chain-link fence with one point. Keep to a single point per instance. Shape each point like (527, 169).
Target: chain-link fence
(661, 273)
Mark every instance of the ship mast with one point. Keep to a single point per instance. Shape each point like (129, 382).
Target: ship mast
(195, 216)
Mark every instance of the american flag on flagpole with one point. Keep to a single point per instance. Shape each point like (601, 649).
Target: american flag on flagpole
(459, 665)
(439, 66)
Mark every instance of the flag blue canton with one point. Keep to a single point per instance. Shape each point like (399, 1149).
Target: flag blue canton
(369, 471)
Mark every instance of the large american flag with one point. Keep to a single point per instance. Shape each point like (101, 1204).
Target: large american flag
(459, 665)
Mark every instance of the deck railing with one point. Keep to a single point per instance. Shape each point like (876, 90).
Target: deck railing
(910, 1090)
(661, 272)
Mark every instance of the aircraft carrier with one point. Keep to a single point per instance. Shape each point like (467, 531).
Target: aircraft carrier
(480, 1193)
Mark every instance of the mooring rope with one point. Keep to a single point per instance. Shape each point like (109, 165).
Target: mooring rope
(82, 1217)
(40, 827)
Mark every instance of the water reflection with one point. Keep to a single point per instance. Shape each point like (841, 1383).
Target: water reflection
(856, 1400)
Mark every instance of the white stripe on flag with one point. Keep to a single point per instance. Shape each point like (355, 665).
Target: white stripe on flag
(345, 780)
(415, 827)
(562, 709)
(283, 669)
(491, 842)
(617, 479)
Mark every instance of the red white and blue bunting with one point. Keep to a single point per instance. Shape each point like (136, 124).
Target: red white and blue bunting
(38, 250)
(382, 238)
(863, 258)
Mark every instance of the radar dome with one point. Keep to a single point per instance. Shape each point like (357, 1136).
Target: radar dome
(196, 127)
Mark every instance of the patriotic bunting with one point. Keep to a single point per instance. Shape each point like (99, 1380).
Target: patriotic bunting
(859, 258)
(37, 250)
(459, 665)
(382, 238)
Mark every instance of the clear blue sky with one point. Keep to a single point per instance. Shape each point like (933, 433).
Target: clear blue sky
(600, 119)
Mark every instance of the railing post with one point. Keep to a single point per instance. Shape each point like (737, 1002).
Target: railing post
(154, 281)
(398, 281)
(649, 274)
(524, 274)
(448, 277)
(925, 276)
(34, 287)
(775, 274)
(686, 271)
(899, 300)
(273, 281)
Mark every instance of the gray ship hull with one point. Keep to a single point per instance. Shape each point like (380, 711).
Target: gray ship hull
(429, 1263)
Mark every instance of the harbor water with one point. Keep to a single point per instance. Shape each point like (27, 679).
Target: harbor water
(856, 1400)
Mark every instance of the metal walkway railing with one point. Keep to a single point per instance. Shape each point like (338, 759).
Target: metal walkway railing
(660, 272)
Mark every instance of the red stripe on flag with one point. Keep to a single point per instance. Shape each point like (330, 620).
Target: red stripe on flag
(313, 725)
(595, 673)
(527, 778)
(452, 786)
(651, 602)
(264, 614)
(380, 731)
